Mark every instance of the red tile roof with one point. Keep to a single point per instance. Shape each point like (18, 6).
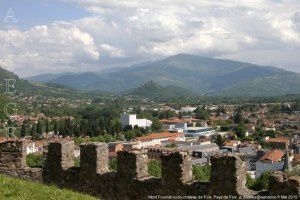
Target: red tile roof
(274, 155)
(278, 139)
(161, 135)
(39, 143)
(4, 139)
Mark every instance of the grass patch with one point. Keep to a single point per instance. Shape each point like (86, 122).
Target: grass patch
(16, 189)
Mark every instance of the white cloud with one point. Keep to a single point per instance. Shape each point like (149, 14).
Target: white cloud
(53, 47)
(112, 51)
(138, 30)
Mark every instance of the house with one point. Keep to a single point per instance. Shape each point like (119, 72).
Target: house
(231, 145)
(131, 120)
(154, 139)
(174, 124)
(34, 146)
(271, 161)
(287, 122)
(247, 150)
(197, 152)
(202, 151)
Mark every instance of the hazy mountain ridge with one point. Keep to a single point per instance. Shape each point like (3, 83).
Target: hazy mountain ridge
(151, 89)
(43, 78)
(24, 87)
(201, 75)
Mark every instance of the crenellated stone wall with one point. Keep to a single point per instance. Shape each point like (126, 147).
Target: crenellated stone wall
(13, 161)
(131, 180)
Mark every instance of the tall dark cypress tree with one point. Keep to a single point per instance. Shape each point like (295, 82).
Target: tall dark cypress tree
(55, 128)
(47, 126)
(33, 133)
(39, 128)
(62, 129)
(24, 129)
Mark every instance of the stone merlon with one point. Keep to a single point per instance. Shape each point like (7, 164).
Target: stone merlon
(131, 180)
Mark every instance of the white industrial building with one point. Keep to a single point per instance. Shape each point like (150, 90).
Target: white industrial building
(195, 132)
(188, 109)
(130, 119)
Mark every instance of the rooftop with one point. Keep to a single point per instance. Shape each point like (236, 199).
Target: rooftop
(161, 135)
(278, 139)
(274, 155)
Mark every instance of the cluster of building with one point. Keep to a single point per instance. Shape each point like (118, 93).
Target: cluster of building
(196, 137)
(32, 147)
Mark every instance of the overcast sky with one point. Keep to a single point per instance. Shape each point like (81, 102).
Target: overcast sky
(90, 35)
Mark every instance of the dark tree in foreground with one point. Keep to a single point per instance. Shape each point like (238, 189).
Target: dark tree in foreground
(24, 129)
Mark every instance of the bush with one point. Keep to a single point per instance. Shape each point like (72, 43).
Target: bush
(295, 171)
(202, 173)
(261, 183)
(154, 168)
(171, 145)
(35, 160)
(113, 164)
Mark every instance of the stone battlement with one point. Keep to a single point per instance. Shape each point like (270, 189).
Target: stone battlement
(131, 180)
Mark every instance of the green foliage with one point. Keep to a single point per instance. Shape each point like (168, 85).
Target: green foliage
(39, 128)
(202, 113)
(157, 126)
(154, 168)
(101, 138)
(113, 164)
(202, 173)
(261, 183)
(249, 181)
(166, 114)
(220, 140)
(24, 129)
(77, 162)
(12, 188)
(33, 132)
(172, 145)
(3, 101)
(129, 135)
(35, 160)
(295, 171)
(47, 126)
(238, 117)
(241, 130)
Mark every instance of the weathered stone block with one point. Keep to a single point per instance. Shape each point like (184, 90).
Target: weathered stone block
(176, 168)
(132, 165)
(94, 158)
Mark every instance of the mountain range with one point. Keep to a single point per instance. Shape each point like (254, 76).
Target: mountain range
(200, 75)
(24, 87)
